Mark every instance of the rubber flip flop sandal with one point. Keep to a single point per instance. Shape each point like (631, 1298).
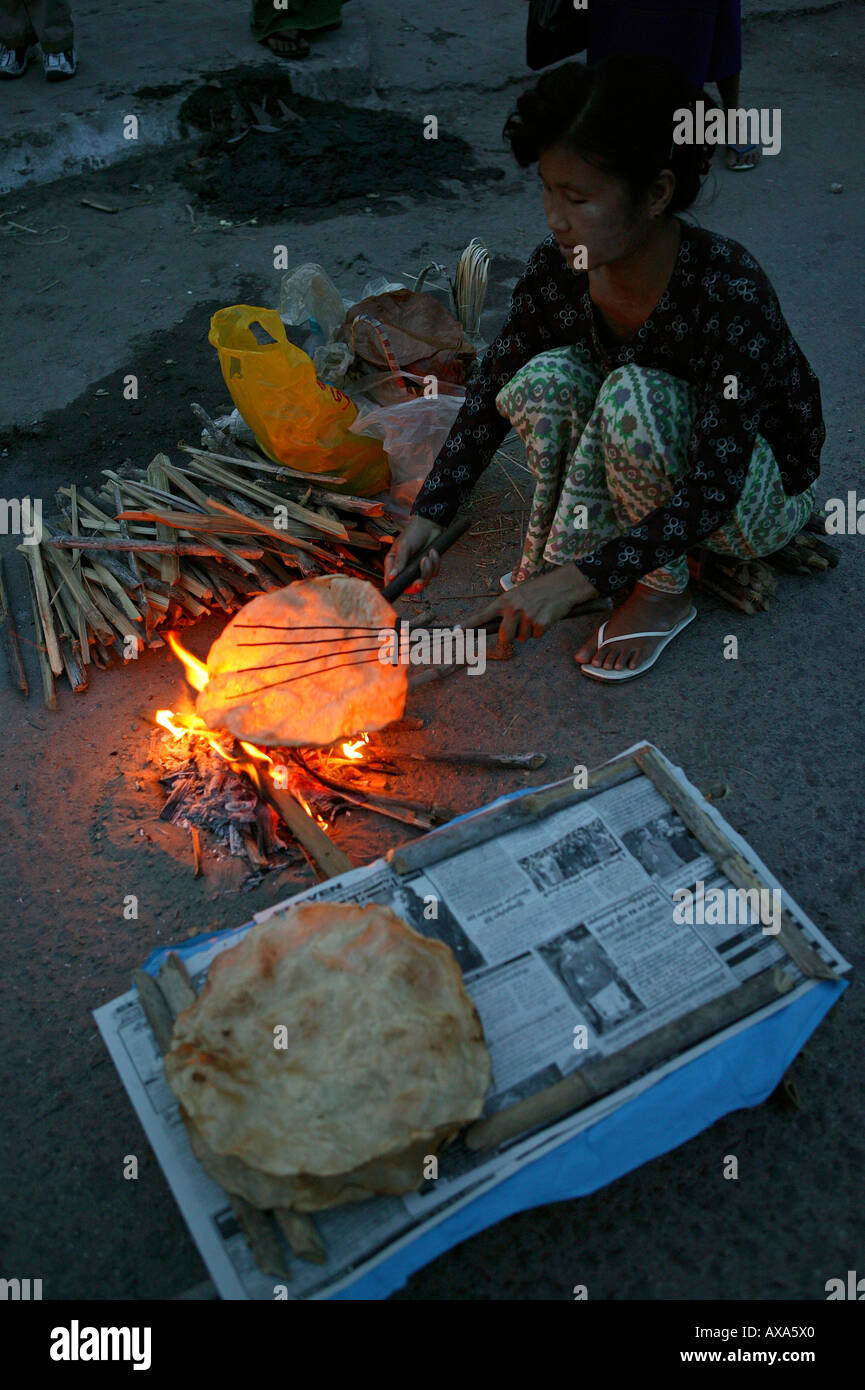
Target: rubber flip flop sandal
(738, 165)
(290, 47)
(597, 673)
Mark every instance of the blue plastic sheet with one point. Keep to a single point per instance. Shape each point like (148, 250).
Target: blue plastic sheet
(741, 1071)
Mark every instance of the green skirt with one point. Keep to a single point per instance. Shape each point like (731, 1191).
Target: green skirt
(606, 451)
(270, 18)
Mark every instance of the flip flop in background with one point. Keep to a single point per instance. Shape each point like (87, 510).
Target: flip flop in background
(597, 673)
(739, 157)
(290, 44)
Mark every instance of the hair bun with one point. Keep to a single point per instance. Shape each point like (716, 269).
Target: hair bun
(619, 116)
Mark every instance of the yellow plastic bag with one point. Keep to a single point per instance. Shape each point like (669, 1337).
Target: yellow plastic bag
(296, 419)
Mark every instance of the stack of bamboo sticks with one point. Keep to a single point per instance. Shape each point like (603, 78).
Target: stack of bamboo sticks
(157, 548)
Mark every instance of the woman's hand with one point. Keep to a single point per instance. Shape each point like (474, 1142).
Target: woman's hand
(533, 606)
(417, 534)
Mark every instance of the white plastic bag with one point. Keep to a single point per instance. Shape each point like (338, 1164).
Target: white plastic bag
(381, 285)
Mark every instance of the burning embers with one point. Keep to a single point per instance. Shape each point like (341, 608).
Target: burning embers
(182, 725)
(247, 796)
(208, 790)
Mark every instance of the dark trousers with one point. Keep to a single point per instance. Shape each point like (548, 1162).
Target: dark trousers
(48, 22)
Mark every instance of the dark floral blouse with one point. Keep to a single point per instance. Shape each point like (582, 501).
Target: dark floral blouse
(718, 317)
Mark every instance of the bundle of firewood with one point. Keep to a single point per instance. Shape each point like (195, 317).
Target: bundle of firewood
(747, 585)
(156, 548)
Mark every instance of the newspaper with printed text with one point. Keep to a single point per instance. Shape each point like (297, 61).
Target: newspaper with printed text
(575, 936)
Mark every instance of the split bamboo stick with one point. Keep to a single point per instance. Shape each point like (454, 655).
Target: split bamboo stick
(156, 477)
(102, 575)
(152, 547)
(124, 531)
(64, 571)
(113, 614)
(256, 492)
(69, 645)
(273, 533)
(45, 671)
(330, 859)
(281, 470)
(17, 674)
(33, 555)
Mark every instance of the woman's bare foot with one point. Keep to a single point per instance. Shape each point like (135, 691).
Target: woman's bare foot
(645, 610)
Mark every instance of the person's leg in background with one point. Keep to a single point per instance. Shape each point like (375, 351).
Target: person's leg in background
(18, 38)
(725, 70)
(701, 39)
(682, 33)
(23, 24)
(284, 29)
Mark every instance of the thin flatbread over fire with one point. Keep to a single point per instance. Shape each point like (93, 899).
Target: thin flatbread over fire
(257, 690)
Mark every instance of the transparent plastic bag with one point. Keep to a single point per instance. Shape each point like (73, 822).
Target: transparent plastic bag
(307, 292)
(413, 431)
(333, 362)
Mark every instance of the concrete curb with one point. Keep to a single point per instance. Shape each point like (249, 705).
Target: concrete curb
(790, 9)
(37, 151)
(49, 141)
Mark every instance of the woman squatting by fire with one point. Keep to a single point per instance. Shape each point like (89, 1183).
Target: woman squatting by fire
(645, 363)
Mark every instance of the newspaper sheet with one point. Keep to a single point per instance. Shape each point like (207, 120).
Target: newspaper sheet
(572, 946)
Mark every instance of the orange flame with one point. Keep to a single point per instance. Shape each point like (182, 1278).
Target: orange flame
(217, 747)
(257, 753)
(165, 717)
(354, 749)
(182, 724)
(309, 811)
(196, 671)
(179, 725)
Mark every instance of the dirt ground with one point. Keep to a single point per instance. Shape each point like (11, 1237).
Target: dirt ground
(780, 727)
(327, 154)
(81, 831)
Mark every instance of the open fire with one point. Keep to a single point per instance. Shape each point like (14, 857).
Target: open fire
(191, 723)
(281, 783)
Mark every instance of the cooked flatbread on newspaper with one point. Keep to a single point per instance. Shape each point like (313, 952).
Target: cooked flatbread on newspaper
(329, 1052)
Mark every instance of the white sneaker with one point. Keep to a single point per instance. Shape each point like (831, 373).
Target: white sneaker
(14, 62)
(58, 66)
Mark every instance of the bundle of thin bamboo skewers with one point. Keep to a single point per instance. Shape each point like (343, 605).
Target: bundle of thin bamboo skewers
(157, 548)
(470, 285)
